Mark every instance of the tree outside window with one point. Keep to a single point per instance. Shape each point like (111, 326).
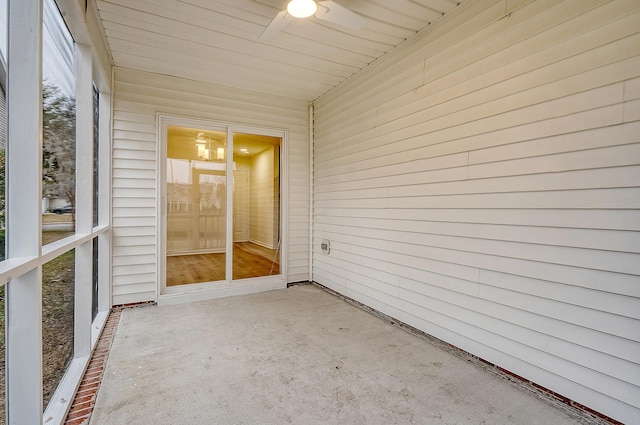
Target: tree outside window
(59, 134)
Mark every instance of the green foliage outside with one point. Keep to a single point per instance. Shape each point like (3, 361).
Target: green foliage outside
(58, 154)
(58, 275)
(59, 147)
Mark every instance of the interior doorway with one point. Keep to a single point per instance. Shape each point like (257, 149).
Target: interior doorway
(203, 188)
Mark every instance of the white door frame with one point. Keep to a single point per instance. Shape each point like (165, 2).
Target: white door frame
(200, 291)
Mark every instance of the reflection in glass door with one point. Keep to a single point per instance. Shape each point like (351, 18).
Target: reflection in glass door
(201, 244)
(196, 205)
(256, 206)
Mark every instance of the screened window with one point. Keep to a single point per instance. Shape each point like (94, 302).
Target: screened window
(58, 126)
(96, 152)
(49, 289)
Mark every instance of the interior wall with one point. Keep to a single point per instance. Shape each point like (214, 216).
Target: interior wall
(241, 197)
(262, 217)
(138, 97)
(482, 183)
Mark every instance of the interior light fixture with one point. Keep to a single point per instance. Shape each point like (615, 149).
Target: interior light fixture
(302, 8)
(205, 151)
(200, 139)
(202, 146)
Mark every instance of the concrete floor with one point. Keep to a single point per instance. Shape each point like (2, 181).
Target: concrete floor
(294, 356)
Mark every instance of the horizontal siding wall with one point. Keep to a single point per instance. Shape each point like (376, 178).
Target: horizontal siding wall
(482, 183)
(138, 97)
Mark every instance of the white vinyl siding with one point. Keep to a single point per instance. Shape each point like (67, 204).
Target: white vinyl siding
(482, 183)
(138, 97)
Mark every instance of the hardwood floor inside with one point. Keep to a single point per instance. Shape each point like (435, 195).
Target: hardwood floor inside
(249, 260)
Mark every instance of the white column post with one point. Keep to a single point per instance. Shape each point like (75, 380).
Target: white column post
(84, 139)
(84, 199)
(24, 219)
(104, 200)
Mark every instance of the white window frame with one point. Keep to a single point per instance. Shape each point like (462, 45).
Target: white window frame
(202, 291)
(21, 272)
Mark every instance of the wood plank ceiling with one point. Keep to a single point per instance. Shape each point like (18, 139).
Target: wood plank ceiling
(217, 41)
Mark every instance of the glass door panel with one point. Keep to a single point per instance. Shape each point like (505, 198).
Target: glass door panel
(196, 204)
(256, 206)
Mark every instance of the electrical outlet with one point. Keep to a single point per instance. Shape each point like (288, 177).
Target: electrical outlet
(325, 246)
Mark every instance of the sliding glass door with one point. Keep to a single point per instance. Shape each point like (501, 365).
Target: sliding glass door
(196, 205)
(256, 206)
(219, 225)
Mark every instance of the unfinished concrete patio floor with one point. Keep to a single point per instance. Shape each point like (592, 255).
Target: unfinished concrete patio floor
(295, 356)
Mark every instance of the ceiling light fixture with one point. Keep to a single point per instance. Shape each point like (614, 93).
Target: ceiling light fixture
(200, 140)
(302, 8)
(201, 147)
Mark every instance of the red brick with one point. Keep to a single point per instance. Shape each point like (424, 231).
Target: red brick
(98, 364)
(82, 399)
(91, 373)
(78, 421)
(88, 386)
(87, 393)
(81, 406)
(91, 378)
(595, 413)
(554, 394)
(508, 372)
(80, 413)
(96, 367)
(486, 362)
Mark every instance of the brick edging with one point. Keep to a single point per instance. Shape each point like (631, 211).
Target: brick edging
(85, 397)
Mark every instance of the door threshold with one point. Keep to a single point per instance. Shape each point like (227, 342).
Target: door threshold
(201, 293)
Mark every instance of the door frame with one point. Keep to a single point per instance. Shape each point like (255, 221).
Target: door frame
(209, 290)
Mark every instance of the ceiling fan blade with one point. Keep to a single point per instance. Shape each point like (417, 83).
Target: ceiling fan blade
(277, 24)
(331, 11)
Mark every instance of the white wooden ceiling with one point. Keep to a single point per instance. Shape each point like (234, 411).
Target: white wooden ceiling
(217, 41)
